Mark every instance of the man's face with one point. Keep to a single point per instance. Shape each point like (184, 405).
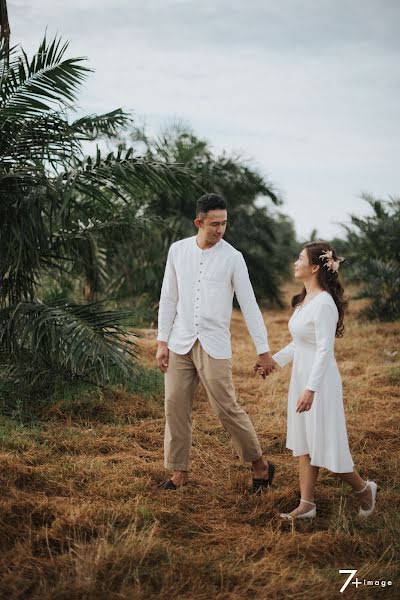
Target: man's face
(212, 225)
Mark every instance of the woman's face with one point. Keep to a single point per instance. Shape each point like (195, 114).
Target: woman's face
(302, 267)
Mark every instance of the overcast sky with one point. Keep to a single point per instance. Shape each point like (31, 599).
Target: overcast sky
(307, 90)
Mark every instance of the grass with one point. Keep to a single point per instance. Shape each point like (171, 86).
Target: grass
(81, 518)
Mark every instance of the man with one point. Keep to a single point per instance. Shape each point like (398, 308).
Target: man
(201, 275)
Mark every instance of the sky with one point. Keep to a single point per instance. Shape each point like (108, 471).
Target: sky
(306, 91)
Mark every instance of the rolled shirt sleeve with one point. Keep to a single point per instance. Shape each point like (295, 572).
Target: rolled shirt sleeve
(168, 300)
(325, 321)
(249, 307)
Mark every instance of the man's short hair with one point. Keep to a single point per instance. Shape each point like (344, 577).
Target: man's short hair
(210, 202)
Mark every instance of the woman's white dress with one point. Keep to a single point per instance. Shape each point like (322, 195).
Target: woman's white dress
(321, 431)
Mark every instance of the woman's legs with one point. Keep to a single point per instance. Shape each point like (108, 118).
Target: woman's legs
(308, 475)
(359, 486)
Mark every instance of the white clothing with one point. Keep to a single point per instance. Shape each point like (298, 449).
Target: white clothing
(321, 431)
(196, 299)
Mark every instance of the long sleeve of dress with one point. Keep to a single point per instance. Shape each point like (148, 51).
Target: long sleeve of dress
(168, 300)
(249, 307)
(325, 321)
(285, 356)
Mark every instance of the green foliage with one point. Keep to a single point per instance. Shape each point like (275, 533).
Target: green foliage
(33, 397)
(58, 211)
(16, 436)
(393, 376)
(373, 253)
(147, 383)
(63, 339)
(81, 401)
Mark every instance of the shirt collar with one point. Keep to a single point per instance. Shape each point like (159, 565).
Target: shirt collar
(209, 249)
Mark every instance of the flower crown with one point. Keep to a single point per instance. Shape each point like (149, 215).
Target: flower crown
(331, 264)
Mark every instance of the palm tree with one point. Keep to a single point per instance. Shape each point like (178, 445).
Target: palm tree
(373, 251)
(57, 210)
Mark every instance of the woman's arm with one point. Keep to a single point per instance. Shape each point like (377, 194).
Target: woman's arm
(325, 330)
(285, 356)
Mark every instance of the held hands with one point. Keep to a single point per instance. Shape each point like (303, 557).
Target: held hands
(162, 356)
(305, 401)
(265, 365)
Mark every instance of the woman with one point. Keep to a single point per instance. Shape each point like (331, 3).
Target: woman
(316, 423)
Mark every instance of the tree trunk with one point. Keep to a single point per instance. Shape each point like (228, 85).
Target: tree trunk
(4, 25)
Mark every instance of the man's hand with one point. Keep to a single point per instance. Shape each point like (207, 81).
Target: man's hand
(305, 401)
(265, 364)
(162, 356)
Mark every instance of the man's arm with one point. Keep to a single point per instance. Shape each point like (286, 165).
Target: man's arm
(252, 314)
(166, 312)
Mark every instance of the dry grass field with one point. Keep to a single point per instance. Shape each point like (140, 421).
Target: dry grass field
(81, 517)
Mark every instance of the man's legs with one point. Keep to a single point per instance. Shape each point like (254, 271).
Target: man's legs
(216, 377)
(181, 381)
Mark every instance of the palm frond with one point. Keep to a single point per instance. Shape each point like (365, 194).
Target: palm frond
(91, 127)
(120, 173)
(44, 137)
(76, 340)
(47, 81)
(9, 58)
(24, 232)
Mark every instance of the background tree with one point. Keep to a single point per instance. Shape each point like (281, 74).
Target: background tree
(57, 211)
(372, 247)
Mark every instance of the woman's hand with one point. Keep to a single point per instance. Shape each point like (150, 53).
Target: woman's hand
(305, 401)
(262, 371)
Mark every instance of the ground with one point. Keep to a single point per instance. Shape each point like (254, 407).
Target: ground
(81, 516)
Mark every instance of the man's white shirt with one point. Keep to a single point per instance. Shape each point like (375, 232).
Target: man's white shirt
(196, 299)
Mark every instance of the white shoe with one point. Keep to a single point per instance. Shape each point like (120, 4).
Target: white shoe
(308, 515)
(374, 488)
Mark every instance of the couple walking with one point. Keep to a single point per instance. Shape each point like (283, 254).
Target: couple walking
(202, 274)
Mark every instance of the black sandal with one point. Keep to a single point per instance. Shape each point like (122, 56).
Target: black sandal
(167, 485)
(260, 484)
(170, 485)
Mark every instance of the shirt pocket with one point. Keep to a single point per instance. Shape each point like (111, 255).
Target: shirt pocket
(215, 286)
(216, 294)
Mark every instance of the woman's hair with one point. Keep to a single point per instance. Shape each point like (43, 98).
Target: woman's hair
(328, 279)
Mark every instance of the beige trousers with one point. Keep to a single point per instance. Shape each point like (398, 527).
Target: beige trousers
(181, 380)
